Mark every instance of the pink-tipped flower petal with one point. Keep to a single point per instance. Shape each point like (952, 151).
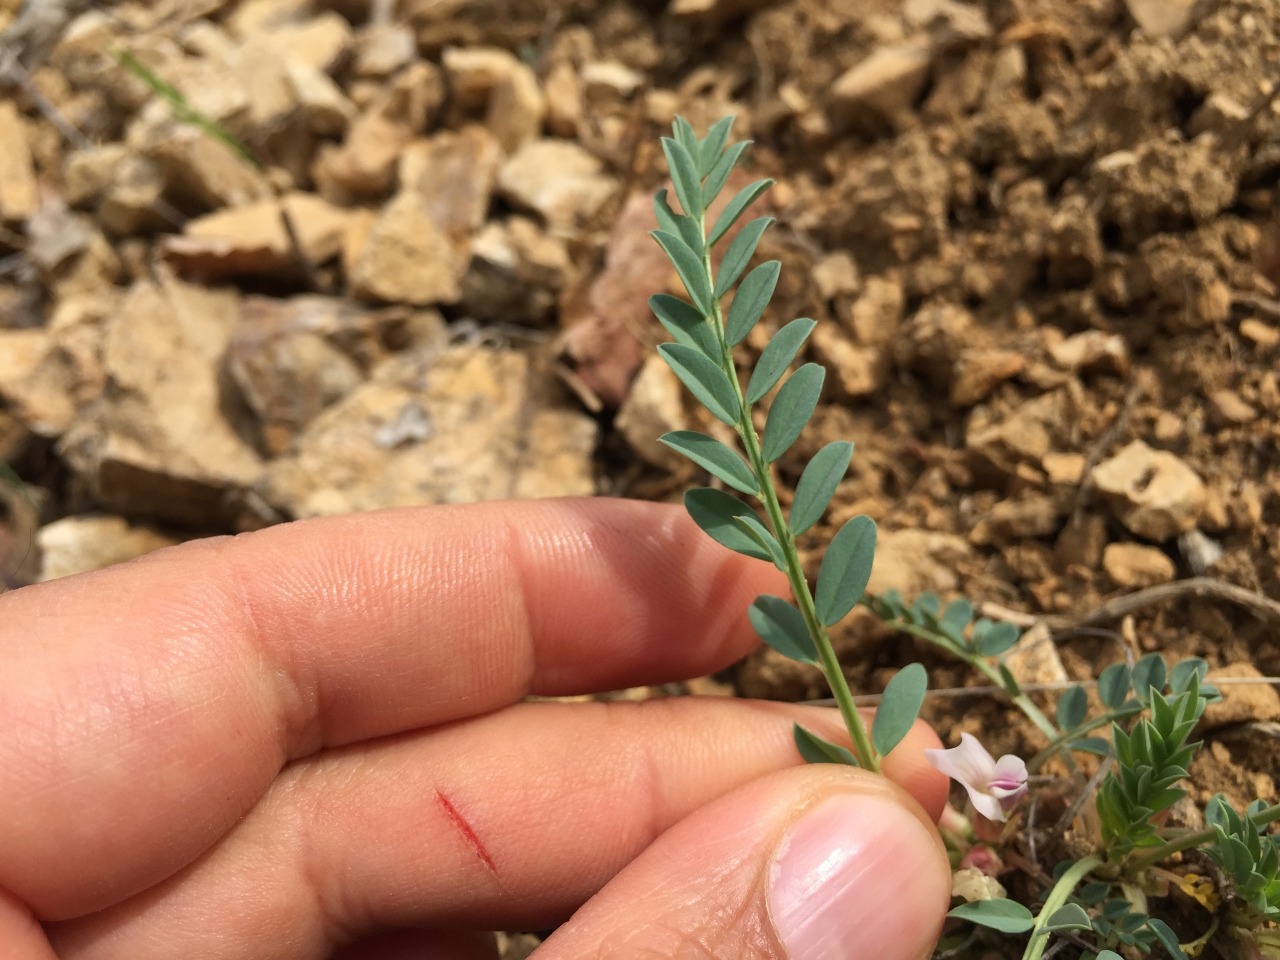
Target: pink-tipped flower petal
(994, 786)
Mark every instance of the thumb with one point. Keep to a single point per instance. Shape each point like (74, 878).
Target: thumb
(811, 863)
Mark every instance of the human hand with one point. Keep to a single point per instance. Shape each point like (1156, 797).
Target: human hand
(309, 742)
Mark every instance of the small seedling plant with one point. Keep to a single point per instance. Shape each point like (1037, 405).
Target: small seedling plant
(1097, 905)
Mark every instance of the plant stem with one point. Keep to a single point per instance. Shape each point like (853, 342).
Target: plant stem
(1021, 700)
(1200, 837)
(1057, 897)
(1057, 742)
(866, 754)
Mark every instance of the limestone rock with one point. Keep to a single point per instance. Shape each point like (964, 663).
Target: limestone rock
(1135, 565)
(516, 108)
(382, 49)
(433, 426)
(654, 406)
(203, 170)
(253, 241)
(365, 164)
(1151, 492)
(914, 561)
(407, 258)
(883, 86)
(609, 80)
(18, 198)
(159, 444)
(1241, 702)
(473, 73)
(293, 359)
(1092, 350)
(558, 180)
(1025, 436)
(858, 371)
(978, 372)
(516, 272)
(455, 174)
(1161, 18)
(1015, 520)
(80, 544)
(713, 11)
(1034, 658)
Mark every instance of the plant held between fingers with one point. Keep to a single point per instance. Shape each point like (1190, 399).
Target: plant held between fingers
(1097, 904)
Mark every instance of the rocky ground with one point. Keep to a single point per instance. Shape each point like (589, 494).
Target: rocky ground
(271, 259)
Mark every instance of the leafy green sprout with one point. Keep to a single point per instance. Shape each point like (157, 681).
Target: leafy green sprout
(1149, 708)
(704, 332)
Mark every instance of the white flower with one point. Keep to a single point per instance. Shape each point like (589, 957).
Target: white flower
(994, 786)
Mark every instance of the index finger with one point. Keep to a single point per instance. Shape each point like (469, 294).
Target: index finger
(151, 704)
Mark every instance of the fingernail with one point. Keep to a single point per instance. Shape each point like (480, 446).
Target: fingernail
(858, 876)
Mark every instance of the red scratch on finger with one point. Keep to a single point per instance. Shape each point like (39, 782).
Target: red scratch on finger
(468, 834)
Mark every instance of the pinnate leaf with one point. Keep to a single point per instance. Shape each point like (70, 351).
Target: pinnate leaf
(1071, 707)
(814, 749)
(689, 268)
(1069, 916)
(1113, 685)
(791, 410)
(992, 638)
(705, 380)
(1007, 916)
(758, 532)
(750, 301)
(714, 457)
(899, 707)
(780, 625)
(716, 512)
(818, 484)
(685, 324)
(676, 224)
(719, 174)
(739, 254)
(684, 176)
(846, 569)
(743, 199)
(712, 145)
(777, 356)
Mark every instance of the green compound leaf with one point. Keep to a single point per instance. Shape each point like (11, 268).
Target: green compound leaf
(758, 532)
(1180, 675)
(686, 228)
(818, 485)
(684, 134)
(791, 410)
(814, 749)
(992, 639)
(846, 568)
(719, 174)
(954, 619)
(1071, 707)
(899, 707)
(750, 300)
(1007, 916)
(705, 380)
(685, 324)
(712, 145)
(1168, 939)
(714, 457)
(1113, 685)
(689, 266)
(1099, 746)
(739, 254)
(780, 625)
(1149, 672)
(1070, 916)
(684, 176)
(717, 513)
(777, 356)
(736, 208)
